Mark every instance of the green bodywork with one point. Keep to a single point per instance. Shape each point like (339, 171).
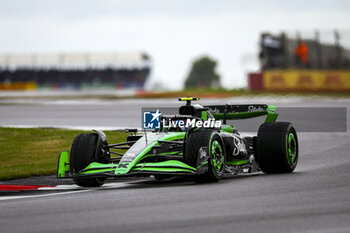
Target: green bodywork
(125, 167)
(144, 153)
(227, 128)
(134, 163)
(63, 164)
(237, 162)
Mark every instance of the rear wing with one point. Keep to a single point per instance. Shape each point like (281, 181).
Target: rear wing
(243, 111)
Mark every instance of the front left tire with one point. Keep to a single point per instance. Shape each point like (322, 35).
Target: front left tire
(82, 153)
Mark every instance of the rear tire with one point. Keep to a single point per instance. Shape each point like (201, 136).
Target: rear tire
(214, 146)
(82, 153)
(277, 147)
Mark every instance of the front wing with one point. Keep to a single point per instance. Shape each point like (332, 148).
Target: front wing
(95, 169)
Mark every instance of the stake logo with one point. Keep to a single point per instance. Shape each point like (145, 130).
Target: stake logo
(151, 120)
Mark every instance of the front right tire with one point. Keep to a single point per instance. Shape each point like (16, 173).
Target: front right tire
(210, 141)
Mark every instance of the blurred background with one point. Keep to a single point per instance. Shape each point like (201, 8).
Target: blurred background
(157, 45)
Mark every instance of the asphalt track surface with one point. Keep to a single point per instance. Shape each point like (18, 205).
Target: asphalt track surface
(315, 198)
(127, 113)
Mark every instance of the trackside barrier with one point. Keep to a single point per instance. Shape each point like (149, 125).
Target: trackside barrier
(300, 80)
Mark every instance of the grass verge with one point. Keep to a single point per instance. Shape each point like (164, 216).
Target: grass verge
(34, 152)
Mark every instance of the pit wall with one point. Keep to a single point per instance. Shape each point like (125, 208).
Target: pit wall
(300, 81)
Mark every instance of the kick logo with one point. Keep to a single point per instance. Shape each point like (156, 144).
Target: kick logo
(151, 120)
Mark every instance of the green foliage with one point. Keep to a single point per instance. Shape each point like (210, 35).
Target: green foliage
(203, 73)
(30, 152)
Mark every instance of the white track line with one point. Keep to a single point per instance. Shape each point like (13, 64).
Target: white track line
(65, 187)
(76, 187)
(40, 195)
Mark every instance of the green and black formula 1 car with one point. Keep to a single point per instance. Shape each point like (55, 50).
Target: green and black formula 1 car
(204, 151)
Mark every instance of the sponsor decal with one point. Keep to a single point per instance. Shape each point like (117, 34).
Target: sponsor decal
(306, 80)
(214, 110)
(252, 108)
(202, 153)
(239, 146)
(123, 165)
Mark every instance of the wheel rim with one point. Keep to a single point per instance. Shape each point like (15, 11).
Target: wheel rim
(292, 147)
(217, 155)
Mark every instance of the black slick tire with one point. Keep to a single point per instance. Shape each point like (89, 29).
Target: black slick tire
(82, 153)
(277, 148)
(206, 139)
